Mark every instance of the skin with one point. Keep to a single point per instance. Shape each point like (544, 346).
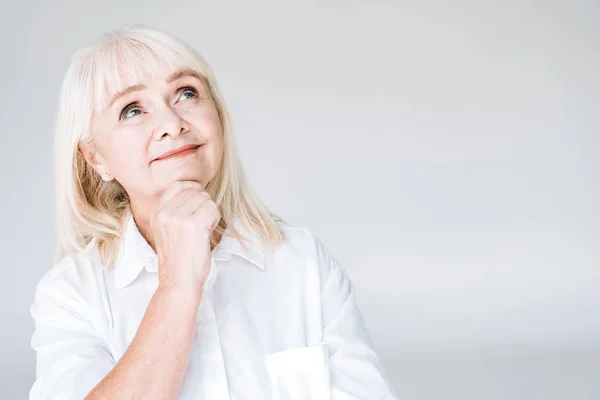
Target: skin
(143, 124)
(172, 211)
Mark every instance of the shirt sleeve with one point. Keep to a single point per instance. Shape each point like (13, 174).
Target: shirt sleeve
(71, 357)
(355, 369)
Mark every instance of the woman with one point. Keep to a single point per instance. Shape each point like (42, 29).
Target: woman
(171, 279)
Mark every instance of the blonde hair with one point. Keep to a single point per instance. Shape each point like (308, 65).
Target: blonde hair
(89, 208)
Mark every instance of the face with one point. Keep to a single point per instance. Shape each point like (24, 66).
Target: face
(148, 119)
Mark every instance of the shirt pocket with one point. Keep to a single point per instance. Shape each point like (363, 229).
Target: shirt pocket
(300, 373)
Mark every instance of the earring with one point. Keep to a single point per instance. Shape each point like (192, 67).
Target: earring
(106, 177)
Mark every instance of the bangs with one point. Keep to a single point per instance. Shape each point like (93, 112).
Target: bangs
(122, 62)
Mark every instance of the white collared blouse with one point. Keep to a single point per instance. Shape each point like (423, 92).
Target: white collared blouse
(280, 324)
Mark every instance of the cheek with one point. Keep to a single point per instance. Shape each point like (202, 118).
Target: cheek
(209, 126)
(214, 135)
(127, 155)
(207, 119)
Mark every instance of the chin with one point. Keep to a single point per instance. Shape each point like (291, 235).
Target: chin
(188, 174)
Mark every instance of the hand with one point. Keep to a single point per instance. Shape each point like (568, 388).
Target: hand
(182, 226)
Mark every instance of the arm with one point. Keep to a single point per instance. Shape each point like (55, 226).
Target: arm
(155, 362)
(356, 371)
(73, 358)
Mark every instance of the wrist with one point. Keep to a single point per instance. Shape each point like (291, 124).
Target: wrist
(179, 296)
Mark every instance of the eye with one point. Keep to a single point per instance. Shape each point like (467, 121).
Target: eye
(127, 111)
(188, 90)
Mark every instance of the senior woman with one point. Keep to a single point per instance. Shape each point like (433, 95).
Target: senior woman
(172, 280)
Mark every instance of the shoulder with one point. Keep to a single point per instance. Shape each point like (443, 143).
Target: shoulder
(301, 242)
(65, 309)
(76, 278)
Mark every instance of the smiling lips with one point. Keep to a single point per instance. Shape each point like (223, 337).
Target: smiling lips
(180, 152)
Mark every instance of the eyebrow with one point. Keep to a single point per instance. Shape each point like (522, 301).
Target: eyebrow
(171, 78)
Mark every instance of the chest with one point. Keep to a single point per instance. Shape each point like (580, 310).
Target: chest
(258, 332)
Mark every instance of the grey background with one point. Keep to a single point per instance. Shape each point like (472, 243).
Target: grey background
(446, 152)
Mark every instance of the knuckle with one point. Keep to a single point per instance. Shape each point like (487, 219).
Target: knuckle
(204, 195)
(162, 216)
(213, 206)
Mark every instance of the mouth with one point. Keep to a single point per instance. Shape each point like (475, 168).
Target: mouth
(183, 152)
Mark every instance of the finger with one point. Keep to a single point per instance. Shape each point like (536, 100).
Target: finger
(175, 187)
(211, 210)
(180, 198)
(193, 202)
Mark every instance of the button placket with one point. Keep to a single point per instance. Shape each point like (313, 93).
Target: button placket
(211, 356)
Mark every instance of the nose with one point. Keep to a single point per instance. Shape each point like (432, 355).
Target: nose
(168, 122)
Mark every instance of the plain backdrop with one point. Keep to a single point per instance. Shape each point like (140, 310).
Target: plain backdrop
(446, 152)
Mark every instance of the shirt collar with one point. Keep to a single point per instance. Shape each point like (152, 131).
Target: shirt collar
(136, 254)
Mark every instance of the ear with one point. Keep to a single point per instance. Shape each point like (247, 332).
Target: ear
(92, 157)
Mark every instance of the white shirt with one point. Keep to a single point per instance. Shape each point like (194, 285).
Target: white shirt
(280, 324)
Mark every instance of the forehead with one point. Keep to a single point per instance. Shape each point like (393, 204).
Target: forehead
(118, 82)
(122, 68)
